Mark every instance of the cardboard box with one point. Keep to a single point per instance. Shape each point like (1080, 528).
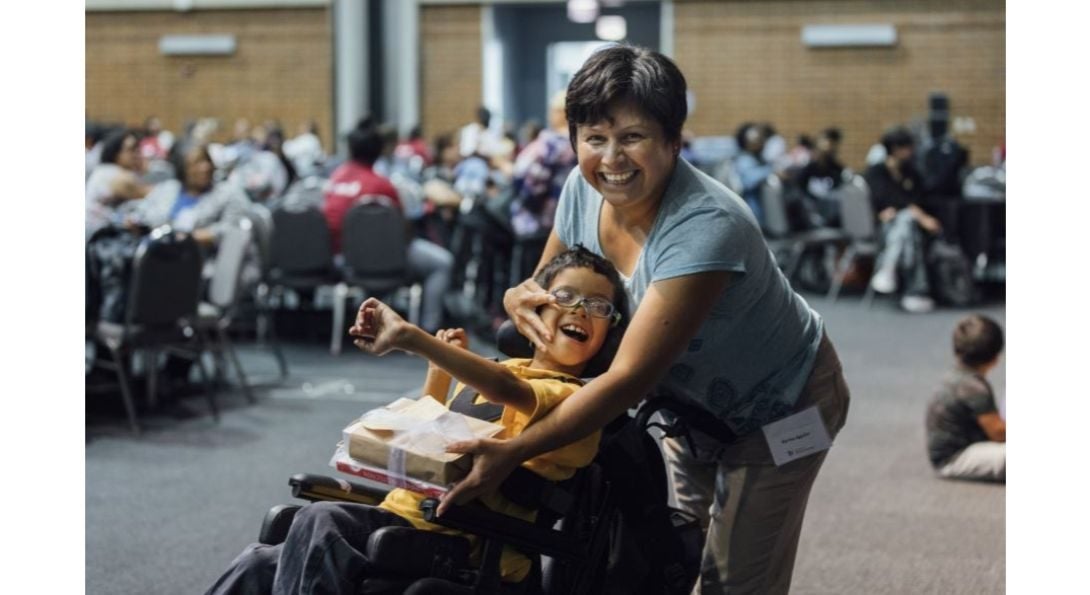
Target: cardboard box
(407, 440)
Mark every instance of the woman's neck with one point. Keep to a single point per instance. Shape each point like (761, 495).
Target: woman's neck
(637, 219)
(193, 190)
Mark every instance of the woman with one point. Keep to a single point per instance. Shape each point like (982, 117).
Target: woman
(114, 181)
(193, 203)
(714, 321)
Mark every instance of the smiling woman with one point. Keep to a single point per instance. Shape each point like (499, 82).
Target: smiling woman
(713, 321)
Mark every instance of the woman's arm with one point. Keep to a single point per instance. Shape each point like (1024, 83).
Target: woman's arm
(227, 205)
(379, 329)
(669, 316)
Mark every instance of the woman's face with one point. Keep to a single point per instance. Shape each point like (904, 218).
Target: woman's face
(627, 157)
(129, 156)
(198, 171)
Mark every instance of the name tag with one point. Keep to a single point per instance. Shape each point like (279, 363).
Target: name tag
(797, 436)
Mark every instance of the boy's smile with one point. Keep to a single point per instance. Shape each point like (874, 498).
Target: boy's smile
(577, 335)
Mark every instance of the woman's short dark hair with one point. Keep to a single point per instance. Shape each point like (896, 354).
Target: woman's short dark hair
(580, 257)
(180, 155)
(365, 142)
(896, 138)
(977, 340)
(111, 145)
(628, 73)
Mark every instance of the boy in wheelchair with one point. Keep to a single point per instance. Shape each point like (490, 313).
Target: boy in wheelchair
(326, 548)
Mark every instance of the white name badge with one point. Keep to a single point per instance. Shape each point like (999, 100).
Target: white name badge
(797, 436)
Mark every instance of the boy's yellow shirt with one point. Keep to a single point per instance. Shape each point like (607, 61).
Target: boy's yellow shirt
(550, 388)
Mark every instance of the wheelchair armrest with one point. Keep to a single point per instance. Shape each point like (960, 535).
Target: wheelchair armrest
(277, 522)
(523, 536)
(690, 413)
(318, 488)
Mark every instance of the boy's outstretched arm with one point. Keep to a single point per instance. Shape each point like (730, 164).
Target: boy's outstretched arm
(437, 382)
(379, 330)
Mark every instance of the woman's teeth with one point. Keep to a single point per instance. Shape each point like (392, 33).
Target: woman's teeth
(618, 178)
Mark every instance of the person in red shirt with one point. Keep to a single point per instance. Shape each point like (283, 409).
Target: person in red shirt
(356, 181)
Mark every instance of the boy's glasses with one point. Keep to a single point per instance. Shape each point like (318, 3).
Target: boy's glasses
(595, 306)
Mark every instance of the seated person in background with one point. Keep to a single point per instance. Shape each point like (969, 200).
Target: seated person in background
(414, 146)
(819, 177)
(356, 180)
(589, 300)
(895, 189)
(193, 202)
(442, 200)
(539, 174)
(305, 150)
(966, 437)
(156, 142)
(114, 181)
(259, 169)
(751, 167)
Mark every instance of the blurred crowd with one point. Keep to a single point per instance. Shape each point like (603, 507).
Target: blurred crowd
(480, 201)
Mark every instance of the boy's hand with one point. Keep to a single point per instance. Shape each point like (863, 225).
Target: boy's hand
(453, 336)
(378, 329)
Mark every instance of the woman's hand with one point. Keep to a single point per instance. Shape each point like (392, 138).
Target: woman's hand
(493, 461)
(521, 303)
(887, 214)
(378, 328)
(204, 236)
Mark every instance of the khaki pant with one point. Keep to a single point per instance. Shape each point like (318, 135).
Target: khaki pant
(985, 461)
(751, 509)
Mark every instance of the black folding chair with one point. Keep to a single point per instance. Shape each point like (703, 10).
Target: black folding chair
(858, 219)
(300, 255)
(161, 309)
(375, 244)
(787, 246)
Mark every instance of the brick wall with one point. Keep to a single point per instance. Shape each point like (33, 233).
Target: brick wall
(744, 61)
(450, 54)
(281, 69)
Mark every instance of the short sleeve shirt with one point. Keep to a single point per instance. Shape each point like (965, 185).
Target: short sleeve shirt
(750, 359)
(952, 414)
(550, 388)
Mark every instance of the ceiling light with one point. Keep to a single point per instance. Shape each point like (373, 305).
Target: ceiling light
(582, 11)
(611, 28)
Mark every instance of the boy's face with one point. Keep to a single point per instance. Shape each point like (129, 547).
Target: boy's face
(577, 335)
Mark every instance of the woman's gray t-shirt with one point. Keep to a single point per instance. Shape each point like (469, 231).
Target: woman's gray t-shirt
(750, 359)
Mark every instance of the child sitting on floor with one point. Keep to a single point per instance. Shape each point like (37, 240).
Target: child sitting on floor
(966, 437)
(325, 550)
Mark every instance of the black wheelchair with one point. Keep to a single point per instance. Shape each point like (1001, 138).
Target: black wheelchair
(609, 529)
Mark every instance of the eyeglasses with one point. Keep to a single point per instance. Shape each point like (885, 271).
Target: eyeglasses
(595, 306)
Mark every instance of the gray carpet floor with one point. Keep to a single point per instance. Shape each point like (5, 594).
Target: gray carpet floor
(168, 510)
